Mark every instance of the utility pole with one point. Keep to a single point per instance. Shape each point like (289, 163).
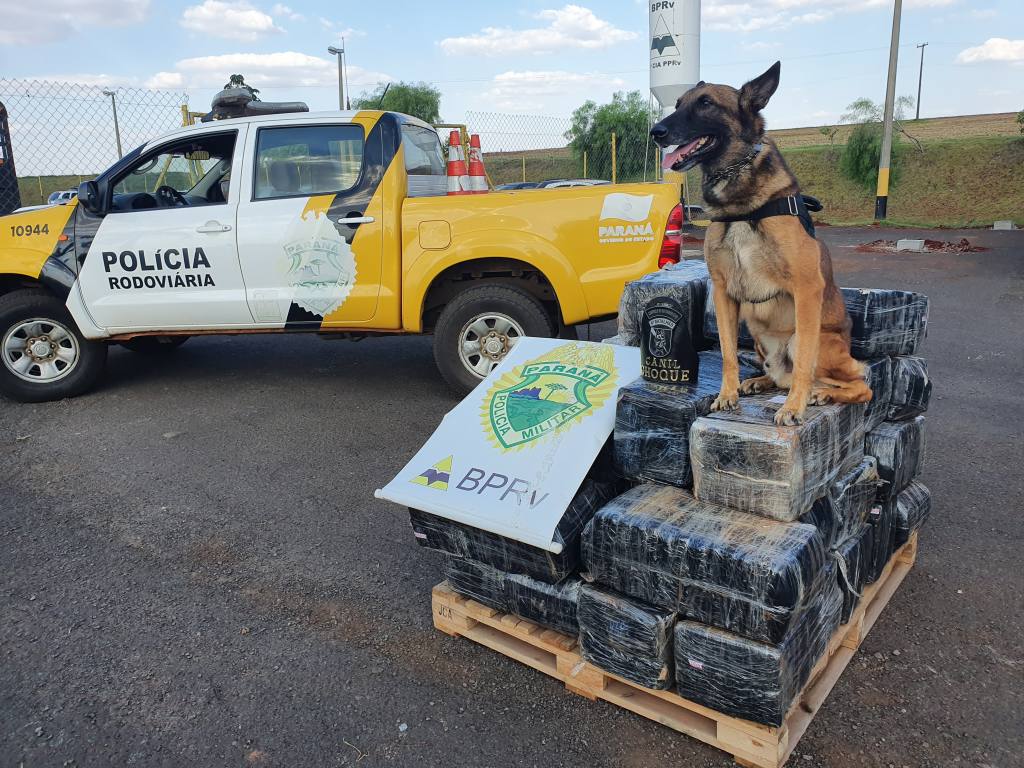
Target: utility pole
(882, 192)
(117, 128)
(348, 91)
(340, 53)
(920, 74)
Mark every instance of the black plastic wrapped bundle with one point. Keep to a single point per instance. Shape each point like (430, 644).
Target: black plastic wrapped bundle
(899, 447)
(550, 605)
(846, 506)
(913, 507)
(434, 532)
(738, 571)
(883, 542)
(856, 553)
(744, 339)
(750, 680)
(626, 637)
(652, 424)
(686, 282)
(879, 378)
(911, 388)
(742, 459)
(886, 322)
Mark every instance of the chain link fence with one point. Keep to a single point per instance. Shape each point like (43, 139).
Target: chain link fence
(64, 133)
(533, 148)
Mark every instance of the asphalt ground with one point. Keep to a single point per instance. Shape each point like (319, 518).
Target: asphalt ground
(194, 570)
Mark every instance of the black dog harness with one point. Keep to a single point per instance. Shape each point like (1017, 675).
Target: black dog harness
(792, 205)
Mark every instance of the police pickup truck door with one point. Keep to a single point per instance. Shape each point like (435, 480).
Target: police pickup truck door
(310, 223)
(165, 255)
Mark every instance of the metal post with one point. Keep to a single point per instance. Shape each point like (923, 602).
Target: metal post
(920, 75)
(614, 169)
(339, 52)
(117, 128)
(584, 163)
(524, 167)
(344, 58)
(882, 192)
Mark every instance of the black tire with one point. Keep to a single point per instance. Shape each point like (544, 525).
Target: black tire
(507, 300)
(154, 345)
(32, 303)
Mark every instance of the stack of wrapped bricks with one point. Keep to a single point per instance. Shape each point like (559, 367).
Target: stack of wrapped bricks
(716, 553)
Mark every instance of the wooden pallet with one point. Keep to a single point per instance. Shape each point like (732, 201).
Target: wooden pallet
(751, 744)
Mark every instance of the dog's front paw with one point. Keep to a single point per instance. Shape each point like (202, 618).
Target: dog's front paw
(789, 417)
(726, 401)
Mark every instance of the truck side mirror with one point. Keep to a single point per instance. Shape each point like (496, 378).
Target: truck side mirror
(89, 197)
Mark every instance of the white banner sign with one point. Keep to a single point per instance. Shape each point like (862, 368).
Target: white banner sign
(510, 457)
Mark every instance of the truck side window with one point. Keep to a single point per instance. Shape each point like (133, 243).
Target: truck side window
(191, 169)
(310, 160)
(424, 162)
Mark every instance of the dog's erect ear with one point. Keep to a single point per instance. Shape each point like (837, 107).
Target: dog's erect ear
(754, 95)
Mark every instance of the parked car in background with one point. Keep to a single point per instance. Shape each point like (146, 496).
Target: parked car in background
(556, 183)
(61, 196)
(517, 185)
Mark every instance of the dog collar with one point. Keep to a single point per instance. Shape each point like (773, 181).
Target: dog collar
(730, 172)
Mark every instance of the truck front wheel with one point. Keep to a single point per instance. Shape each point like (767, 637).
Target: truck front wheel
(480, 326)
(44, 356)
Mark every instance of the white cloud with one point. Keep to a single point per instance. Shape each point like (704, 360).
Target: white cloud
(732, 16)
(571, 26)
(993, 49)
(534, 91)
(46, 21)
(264, 70)
(166, 80)
(235, 20)
(286, 11)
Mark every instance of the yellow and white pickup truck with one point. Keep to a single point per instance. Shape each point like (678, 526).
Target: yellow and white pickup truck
(331, 222)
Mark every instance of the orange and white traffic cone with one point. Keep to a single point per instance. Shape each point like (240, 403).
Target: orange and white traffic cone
(477, 174)
(458, 178)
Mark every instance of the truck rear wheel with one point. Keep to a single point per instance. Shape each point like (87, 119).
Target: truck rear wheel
(480, 326)
(44, 356)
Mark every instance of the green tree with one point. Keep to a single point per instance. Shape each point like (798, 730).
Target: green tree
(1020, 121)
(629, 117)
(863, 150)
(420, 100)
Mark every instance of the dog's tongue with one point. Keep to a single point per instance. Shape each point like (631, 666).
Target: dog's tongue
(678, 154)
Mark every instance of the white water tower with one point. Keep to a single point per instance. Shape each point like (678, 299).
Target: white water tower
(675, 49)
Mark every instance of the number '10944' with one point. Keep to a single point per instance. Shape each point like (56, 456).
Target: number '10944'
(27, 230)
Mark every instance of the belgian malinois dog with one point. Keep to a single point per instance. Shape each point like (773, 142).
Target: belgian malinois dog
(766, 266)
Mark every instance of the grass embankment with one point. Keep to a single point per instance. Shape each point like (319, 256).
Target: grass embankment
(953, 183)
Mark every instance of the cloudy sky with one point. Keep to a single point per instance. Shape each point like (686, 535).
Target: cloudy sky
(522, 56)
